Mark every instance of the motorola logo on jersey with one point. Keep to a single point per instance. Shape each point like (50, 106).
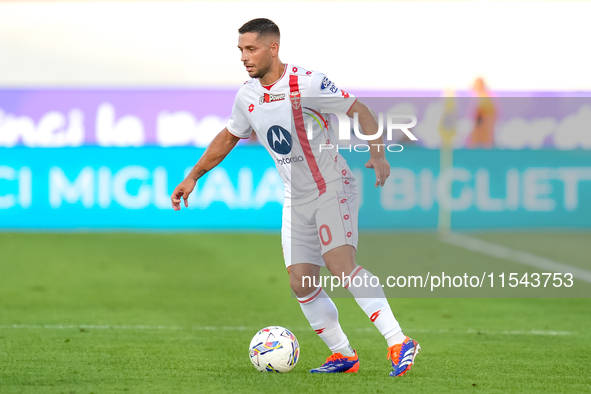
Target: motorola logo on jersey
(290, 160)
(279, 140)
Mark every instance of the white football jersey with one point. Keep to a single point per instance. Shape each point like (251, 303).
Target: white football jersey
(281, 115)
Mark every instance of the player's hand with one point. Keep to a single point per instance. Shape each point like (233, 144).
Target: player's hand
(182, 190)
(382, 168)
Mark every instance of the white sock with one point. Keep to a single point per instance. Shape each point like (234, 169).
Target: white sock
(395, 339)
(374, 303)
(323, 316)
(347, 351)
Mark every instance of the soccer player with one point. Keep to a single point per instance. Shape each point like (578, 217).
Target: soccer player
(321, 197)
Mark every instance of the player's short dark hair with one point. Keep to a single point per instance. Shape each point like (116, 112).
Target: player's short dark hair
(261, 26)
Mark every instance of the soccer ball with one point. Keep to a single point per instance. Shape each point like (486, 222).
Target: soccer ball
(274, 349)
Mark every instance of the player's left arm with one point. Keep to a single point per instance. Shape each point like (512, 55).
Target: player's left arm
(369, 125)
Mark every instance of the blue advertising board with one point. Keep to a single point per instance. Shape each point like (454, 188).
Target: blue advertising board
(129, 188)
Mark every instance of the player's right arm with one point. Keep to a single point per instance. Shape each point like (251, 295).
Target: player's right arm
(238, 128)
(217, 150)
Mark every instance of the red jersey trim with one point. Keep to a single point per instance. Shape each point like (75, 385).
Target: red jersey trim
(351, 106)
(298, 119)
(268, 87)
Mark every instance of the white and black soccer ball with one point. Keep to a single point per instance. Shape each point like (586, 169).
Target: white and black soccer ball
(274, 349)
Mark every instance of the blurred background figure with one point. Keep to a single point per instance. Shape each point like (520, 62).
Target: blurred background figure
(485, 114)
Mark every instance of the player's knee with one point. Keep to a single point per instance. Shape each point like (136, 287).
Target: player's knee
(302, 285)
(340, 260)
(295, 281)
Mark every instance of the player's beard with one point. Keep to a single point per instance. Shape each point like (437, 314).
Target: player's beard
(262, 71)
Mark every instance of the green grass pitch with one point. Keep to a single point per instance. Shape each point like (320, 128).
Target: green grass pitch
(174, 313)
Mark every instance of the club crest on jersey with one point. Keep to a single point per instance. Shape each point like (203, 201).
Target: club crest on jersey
(295, 100)
(269, 98)
(325, 83)
(279, 140)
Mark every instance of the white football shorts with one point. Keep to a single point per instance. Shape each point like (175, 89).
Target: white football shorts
(309, 230)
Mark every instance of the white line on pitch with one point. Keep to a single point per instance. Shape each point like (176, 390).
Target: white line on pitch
(243, 328)
(491, 249)
(91, 326)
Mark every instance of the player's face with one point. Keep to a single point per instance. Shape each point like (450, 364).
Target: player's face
(256, 54)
